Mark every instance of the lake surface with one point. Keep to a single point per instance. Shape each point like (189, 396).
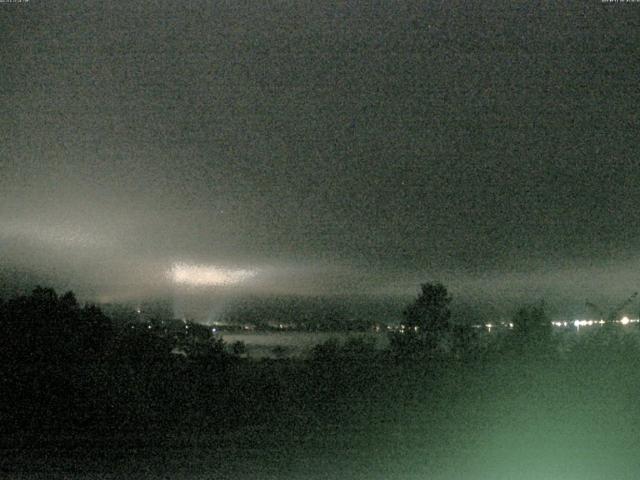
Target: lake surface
(294, 344)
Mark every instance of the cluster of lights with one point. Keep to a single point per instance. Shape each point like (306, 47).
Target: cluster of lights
(399, 328)
(489, 326)
(576, 323)
(583, 323)
(588, 323)
(627, 320)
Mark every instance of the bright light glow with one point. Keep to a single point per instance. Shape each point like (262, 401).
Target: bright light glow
(625, 321)
(205, 275)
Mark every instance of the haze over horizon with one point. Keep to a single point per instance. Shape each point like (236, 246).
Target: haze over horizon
(322, 149)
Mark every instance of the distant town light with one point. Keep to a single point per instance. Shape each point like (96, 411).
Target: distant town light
(625, 321)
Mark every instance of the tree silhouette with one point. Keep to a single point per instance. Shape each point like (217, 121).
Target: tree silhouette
(426, 321)
(532, 327)
(238, 348)
(430, 311)
(43, 327)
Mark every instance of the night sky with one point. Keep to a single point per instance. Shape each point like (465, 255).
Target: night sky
(323, 148)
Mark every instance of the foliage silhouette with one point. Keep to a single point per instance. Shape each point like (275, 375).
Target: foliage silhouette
(426, 323)
(238, 348)
(43, 327)
(532, 329)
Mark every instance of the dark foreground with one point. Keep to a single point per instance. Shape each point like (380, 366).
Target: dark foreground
(570, 416)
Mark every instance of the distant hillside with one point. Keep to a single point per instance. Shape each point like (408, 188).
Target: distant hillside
(314, 313)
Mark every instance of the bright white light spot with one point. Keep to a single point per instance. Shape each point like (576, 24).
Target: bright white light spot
(203, 275)
(625, 320)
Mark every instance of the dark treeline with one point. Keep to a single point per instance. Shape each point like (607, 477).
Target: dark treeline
(69, 371)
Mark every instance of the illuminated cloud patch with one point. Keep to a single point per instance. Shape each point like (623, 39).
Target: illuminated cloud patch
(208, 275)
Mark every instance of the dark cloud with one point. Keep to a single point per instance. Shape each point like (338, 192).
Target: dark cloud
(337, 146)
